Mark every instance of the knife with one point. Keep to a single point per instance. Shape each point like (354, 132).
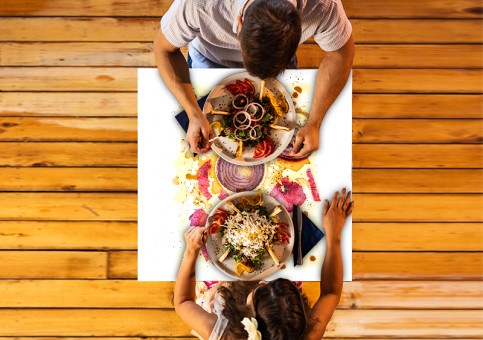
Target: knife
(298, 217)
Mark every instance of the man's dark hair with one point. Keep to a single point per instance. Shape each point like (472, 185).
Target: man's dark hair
(269, 37)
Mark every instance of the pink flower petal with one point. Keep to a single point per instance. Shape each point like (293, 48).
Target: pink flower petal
(313, 186)
(223, 194)
(203, 181)
(288, 193)
(198, 218)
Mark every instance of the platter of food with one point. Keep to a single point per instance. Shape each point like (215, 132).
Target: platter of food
(251, 236)
(253, 120)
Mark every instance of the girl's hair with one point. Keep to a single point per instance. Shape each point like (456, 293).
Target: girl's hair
(280, 309)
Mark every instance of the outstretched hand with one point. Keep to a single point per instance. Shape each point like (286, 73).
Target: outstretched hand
(306, 141)
(199, 133)
(336, 212)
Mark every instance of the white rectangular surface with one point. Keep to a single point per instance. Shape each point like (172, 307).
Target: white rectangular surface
(160, 235)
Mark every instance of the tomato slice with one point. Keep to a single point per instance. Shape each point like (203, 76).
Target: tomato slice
(233, 89)
(250, 87)
(213, 228)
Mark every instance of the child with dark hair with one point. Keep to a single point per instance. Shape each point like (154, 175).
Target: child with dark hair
(263, 310)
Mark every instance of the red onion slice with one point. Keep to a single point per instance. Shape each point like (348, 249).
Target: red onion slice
(313, 186)
(242, 120)
(240, 138)
(203, 181)
(198, 218)
(288, 157)
(240, 96)
(239, 178)
(288, 193)
(255, 132)
(252, 109)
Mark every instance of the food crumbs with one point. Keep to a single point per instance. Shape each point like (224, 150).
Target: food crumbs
(312, 258)
(283, 267)
(298, 89)
(175, 180)
(306, 213)
(295, 95)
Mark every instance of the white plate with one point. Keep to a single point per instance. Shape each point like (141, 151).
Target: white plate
(267, 267)
(219, 99)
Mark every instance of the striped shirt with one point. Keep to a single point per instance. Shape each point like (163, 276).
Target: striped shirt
(210, 27)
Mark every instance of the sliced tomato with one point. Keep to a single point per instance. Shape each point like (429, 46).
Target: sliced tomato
(250, 87)
(233, 89)
(259, 150)
(282, 225)
(213, 228)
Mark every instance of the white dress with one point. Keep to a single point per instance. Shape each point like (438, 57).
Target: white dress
(209, 299)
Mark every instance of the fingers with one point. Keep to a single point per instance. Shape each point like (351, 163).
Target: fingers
(206, 135)
(194, 141)
(349, 208)
(341, 201)
(325, 208)
(335, 200)
(298, 145)
(305, 151)
(347, 201)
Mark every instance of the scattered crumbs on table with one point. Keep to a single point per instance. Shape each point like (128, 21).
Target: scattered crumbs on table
(298, 89)
(312, 258)
(306, 213)
(283, 267)
(295, 95)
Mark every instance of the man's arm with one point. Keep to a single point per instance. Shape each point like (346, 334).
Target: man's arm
(334, 216)
(184, 291)
(174, 70)
(331, 79)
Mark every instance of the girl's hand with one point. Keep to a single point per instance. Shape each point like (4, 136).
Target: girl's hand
(195, 238)
(335, 213)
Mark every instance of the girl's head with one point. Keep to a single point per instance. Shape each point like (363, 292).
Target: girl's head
(280, 309)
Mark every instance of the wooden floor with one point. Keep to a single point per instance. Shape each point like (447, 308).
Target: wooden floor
(68, 179)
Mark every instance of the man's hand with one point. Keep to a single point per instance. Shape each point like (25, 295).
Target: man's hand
(335, 214)
(195, 238)
(306, 141)
(199, 133)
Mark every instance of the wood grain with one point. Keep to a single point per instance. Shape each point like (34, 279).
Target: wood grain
(416, 106)
(125, 79)
(454, 131)
(416, 266)
(417, 81)
(310, 55)
(134, 294)
(68, 206)
(52, 265)
(68, 179)
(69, 129)
(68, 154)
(366, 265)
(418, 208)
(61, 235)
(416, 156)
(417, 236)
(58, 104)
(354, 8)
(147, 322)
(417, 181)
(90, 29)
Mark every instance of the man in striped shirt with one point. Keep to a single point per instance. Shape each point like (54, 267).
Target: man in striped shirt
(261, 36)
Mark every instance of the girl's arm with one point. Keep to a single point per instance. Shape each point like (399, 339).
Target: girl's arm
(184, 291)
(333, 216)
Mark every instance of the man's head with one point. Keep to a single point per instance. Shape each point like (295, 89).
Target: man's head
(269, 37)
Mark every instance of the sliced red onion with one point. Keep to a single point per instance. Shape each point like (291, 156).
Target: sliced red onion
(288, 193)
(240, 95)
(253, 132)
(288, 157)
(313, 186)
(203, 181)
(239, 138)
(252, 110)
(198, 218)
(239, 178)
(242, 120)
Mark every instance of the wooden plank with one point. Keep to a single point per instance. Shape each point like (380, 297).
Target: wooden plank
(134, 294)
(52, 265)
(417, 81)
(144, 29)
(416, 106)
(68, 207)
(310, 55)
(58, 104)
(417, 181)
(416, 156)
(416, 31)
(68, 79)
(418, 208)
(418, 266)
(354, 8)
(68, 129)
(430, 236)
(68, 179)
(142, 322)
(417, 131)
(366, 265)
(125, 79)
(123, 265)
(68, 154)
(68, 235)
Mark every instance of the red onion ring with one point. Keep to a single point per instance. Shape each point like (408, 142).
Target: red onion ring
(240, 123)
(239, 178)
(236, 97)
(257, 135)
(254, 113)
(239, 138)
(285, 155)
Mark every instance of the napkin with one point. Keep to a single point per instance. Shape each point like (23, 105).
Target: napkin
(182, 117)
(311, 235)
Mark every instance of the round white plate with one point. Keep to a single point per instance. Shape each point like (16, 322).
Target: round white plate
(267, 267)
(219, 99)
